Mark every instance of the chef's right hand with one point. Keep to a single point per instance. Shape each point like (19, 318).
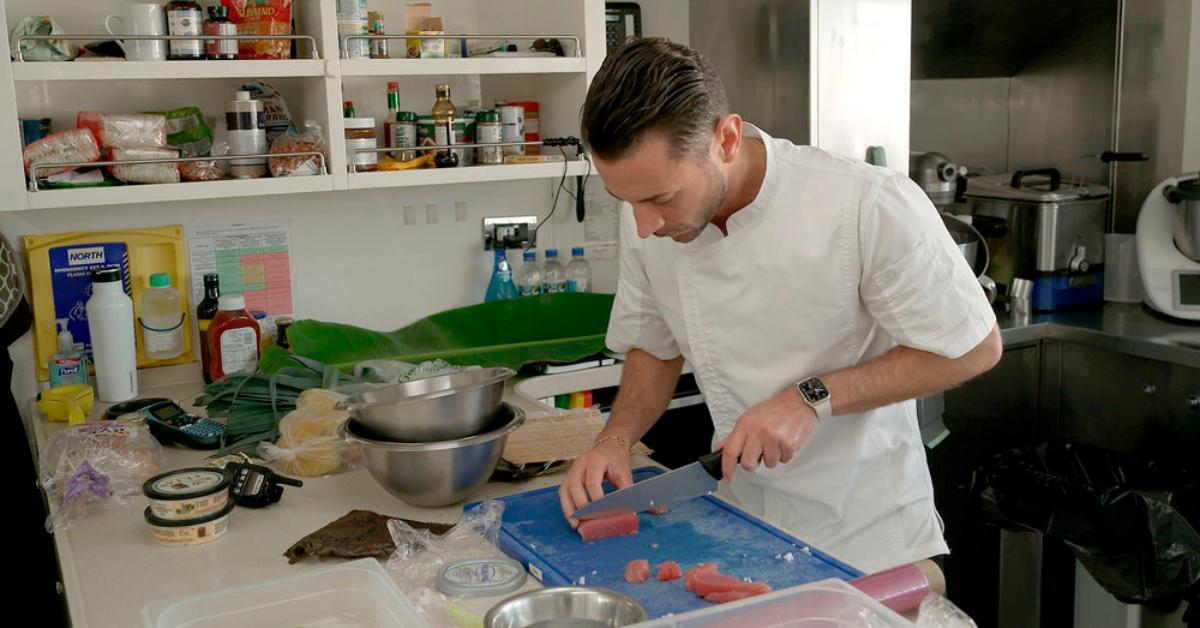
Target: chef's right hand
(608, 460)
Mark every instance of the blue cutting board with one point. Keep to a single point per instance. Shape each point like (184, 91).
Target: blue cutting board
(700, 530)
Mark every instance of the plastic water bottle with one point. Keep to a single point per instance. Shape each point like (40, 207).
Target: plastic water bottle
(579, 272)
(501, 285)
(529, 277)
(110, 324)
(554, 276)
(162, 319)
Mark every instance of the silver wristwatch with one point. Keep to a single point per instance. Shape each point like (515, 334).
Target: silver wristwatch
(816, 395)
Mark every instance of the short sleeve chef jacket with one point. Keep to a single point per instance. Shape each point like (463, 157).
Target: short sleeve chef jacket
(834, 263)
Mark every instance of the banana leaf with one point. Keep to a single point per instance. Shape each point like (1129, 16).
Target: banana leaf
(562, 327)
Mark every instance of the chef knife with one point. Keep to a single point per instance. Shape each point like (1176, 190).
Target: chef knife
(693, 480)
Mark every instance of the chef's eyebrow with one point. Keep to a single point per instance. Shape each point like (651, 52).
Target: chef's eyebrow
(645, 200)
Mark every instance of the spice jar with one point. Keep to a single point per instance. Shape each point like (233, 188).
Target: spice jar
(488, 131)
(360, 133)
(404, 135)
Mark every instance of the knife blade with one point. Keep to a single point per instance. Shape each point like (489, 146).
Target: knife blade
(689, 481)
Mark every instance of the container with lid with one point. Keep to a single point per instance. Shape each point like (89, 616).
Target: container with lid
(233, 338)
(246, 126)
(488, 131)
(162, 319)
(111, 328)
(187, 494)
(1034, 223)
(191, 531)
(360, 133)
(404, 135)
(481, 577)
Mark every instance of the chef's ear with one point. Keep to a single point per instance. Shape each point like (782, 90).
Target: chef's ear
(728, 137)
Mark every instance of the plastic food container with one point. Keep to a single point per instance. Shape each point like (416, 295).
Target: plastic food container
(187, 494)
(822, 604)
(190, 531)
(357, 593)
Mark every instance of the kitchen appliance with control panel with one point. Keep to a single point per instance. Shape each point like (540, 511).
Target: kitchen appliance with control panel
(1040, 229)
(1168, 247)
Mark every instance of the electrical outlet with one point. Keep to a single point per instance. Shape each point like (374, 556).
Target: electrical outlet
(511, 232)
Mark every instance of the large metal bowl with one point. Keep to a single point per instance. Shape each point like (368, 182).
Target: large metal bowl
(566, 607)
(431, 409)
(432, 475)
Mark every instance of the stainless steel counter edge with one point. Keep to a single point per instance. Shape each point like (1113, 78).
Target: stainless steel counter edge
(1127, 328)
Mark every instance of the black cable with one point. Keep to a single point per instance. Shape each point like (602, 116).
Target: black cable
(561, 184)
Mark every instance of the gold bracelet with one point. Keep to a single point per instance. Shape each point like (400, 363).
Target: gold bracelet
(613, 437)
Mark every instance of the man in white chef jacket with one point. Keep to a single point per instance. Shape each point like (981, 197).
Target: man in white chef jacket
(814, 296)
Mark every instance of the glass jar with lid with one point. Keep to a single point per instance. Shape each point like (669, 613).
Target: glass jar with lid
(360, 134)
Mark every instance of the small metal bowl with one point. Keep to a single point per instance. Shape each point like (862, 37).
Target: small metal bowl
(432, 475)
(566, 607)
(431, 409)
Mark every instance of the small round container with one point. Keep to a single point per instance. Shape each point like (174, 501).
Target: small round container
(481, 577)
(187, 494)
(190, 532)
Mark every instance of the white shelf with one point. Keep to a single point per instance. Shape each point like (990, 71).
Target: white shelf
(117, 70)
(476, 65)
(470, 174)
(125, 194)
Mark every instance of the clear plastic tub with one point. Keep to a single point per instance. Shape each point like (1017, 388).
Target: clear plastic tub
(823, 604)
(350, 595)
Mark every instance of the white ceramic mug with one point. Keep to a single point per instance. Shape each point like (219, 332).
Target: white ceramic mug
(143, 19)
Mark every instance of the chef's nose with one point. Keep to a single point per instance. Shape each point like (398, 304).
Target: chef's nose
(648, 221)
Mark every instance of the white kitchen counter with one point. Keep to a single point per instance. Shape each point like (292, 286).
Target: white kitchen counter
(111, 567)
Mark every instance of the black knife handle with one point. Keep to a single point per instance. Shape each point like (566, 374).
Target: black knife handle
(712, 464)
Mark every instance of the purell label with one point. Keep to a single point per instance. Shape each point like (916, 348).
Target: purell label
(67, 367)
(84, 256)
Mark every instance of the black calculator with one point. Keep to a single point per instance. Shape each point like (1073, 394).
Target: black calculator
(622, 20)
(169, 423)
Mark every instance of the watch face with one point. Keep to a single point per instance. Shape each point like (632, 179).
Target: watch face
(814, 390)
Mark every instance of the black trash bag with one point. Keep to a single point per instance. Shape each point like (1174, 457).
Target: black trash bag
(1128, 519)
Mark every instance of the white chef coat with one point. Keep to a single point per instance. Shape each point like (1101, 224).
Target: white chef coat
(834, 263)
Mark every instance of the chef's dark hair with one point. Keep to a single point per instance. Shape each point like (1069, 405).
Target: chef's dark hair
(653, 85)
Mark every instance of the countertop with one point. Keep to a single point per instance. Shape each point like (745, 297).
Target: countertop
(1128, 328)
(111, 568)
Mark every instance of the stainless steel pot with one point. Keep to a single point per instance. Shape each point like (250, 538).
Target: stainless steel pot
(1034, 224)
(1186, 228)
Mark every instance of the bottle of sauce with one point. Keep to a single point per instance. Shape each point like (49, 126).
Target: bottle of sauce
(443, 126)
(233, 338)
(218, 23)
(184, 18)
(204, 315)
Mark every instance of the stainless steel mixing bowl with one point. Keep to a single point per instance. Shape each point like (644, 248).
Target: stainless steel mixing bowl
(432, 475)
(575, 607)
(431, 409)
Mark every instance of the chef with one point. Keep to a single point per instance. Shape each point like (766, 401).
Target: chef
(814, 297)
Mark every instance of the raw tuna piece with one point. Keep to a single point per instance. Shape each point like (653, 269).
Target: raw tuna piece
(637, 571)
(661, 510)
(622, 524)
(723, 597)
(705, 584)
(690, 577)
(669, 571)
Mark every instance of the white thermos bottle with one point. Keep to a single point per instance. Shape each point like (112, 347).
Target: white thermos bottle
(110, 324)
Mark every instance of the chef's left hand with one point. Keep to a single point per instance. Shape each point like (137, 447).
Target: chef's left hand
(771, 432)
